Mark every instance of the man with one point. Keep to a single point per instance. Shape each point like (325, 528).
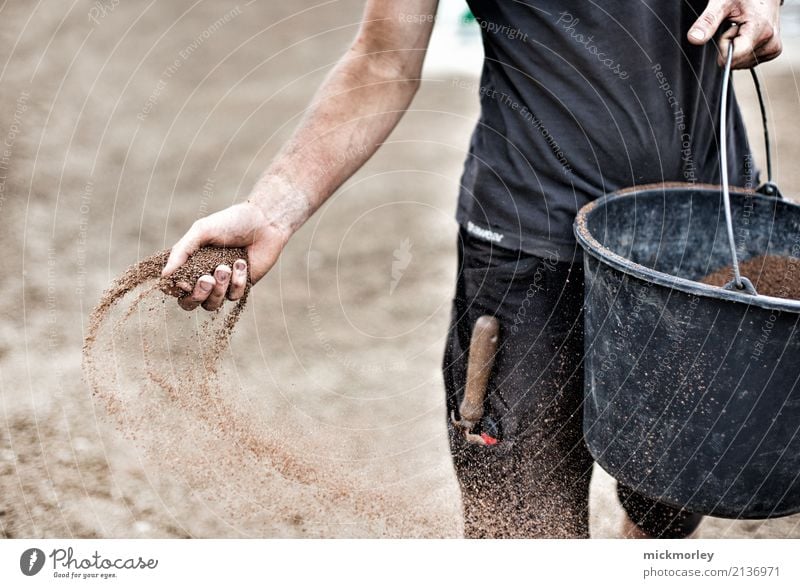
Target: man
(578, 99)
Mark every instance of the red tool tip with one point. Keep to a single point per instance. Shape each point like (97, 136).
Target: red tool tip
(489, 439)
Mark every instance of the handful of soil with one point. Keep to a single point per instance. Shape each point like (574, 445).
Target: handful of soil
(772, 275)
(201, 263)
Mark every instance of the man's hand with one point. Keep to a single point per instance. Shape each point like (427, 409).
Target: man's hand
(241, 225)
(353, 113)
(756, 39)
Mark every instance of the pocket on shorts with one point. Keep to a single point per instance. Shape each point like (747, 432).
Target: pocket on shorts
(492, 277)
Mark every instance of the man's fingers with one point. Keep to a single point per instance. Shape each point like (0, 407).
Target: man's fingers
(752, 44)
(188, 244)
(238, 280)
(743, 51)
(708, 23)
(222, 277)
(202, 290)
(770, 50)
(755, 37)
(736, 35)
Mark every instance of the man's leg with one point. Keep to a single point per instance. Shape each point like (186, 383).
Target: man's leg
(535, 481)
(647, 518)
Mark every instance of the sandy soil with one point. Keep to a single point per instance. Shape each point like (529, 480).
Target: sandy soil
(119, 132)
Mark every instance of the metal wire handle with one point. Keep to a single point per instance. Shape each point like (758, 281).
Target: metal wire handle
(768, 188)
(739, 282)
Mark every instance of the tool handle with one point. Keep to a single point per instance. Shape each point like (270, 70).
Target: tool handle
(482, 350)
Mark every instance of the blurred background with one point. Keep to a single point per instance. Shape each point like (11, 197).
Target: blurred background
(123, 122)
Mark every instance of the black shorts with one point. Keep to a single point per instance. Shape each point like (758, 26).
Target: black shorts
(534, 482)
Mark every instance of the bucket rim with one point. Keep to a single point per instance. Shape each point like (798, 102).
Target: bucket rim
(593, 247)
(695, 505)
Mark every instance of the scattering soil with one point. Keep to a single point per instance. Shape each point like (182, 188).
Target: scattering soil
(772, 275)
(159, 378)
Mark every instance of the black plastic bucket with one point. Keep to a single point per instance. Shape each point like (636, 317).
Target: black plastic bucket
(692, 392)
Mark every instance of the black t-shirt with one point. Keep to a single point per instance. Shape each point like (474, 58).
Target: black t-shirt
(580, 98)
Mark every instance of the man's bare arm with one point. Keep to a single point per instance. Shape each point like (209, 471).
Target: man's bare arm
(353, 112)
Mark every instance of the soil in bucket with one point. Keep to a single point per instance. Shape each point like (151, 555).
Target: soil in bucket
(772, 275)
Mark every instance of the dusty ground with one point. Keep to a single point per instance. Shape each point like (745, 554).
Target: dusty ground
(122, 130)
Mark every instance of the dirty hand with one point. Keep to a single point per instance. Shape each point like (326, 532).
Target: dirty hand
(241, 225)
(757, 34)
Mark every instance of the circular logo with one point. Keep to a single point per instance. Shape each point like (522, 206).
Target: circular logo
(31, 561)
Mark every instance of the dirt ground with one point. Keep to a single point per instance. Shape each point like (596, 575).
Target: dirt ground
(122, 126)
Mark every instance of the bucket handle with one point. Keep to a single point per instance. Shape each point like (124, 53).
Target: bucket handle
(769, 188)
